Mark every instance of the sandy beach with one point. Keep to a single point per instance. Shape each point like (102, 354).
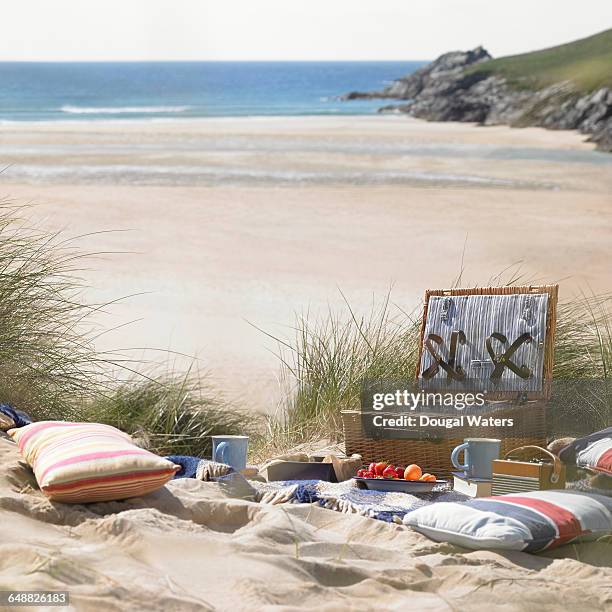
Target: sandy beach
(193, 545)
(236, 223)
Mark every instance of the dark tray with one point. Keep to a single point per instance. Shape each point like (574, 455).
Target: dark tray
(401, 486)
(300, 470)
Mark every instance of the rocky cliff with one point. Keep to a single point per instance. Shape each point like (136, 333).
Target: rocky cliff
(457, 87)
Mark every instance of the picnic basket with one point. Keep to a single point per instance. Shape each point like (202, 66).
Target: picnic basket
(529, 414)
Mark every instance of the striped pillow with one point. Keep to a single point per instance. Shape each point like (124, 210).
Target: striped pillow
(89, 462)
(530, 522)
(597, 456)
(593, 452)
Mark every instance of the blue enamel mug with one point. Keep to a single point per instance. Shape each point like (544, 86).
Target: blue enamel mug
(231, 450)
(479, 454)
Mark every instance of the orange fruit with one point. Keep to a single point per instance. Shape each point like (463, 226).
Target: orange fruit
(428, 477)
(412, 472)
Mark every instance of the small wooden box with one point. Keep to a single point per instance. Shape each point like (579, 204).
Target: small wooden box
(516, 476)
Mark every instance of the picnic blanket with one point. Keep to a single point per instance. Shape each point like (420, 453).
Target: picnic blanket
(200, 469)
(341, 496)
(349, 498)
(11, 417)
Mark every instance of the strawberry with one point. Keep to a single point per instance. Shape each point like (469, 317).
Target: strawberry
(379, 468)
(399, 471)
(360, 473)
(389, 472)
(369, 474)
(372, 467)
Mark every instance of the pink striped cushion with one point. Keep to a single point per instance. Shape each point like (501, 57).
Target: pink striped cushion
(89, 462)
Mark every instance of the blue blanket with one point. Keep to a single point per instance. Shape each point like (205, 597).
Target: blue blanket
(189, 465)
(202, 469)
(348, 497)
(20, 418)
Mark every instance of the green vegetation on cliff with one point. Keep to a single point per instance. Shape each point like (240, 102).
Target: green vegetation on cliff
(587, 63)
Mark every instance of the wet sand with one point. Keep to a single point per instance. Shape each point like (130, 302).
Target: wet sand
(246, 221)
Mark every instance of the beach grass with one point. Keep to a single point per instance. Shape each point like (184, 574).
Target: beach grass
(171, 412)
(323, 365)
(47, 364)
(582, 373)
(328, 357)
(50, 368)
(585, 63)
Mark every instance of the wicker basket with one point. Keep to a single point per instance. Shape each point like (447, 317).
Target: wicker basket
(434, 455)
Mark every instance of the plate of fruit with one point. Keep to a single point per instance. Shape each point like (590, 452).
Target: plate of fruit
(384, 476)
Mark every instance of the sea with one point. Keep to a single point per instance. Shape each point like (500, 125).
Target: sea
(50, 91)
(223, 95)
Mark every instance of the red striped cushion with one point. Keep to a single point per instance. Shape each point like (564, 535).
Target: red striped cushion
(531, 521)
(597, 456)
(89, 462)
(592, 452)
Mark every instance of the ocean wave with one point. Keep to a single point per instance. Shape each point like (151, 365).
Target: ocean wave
(137, 174)
(121, 110)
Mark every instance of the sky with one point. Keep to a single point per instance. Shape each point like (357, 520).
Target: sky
(81, 30)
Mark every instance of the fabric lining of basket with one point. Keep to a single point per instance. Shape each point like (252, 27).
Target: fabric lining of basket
(479, 317)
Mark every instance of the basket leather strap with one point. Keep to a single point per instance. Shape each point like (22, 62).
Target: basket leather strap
(453, 371)
(503, 360)
(556, 473)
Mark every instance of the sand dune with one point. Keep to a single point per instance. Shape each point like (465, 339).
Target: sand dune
(191, 546)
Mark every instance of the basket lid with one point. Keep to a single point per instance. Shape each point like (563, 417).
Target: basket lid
(498, 340)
